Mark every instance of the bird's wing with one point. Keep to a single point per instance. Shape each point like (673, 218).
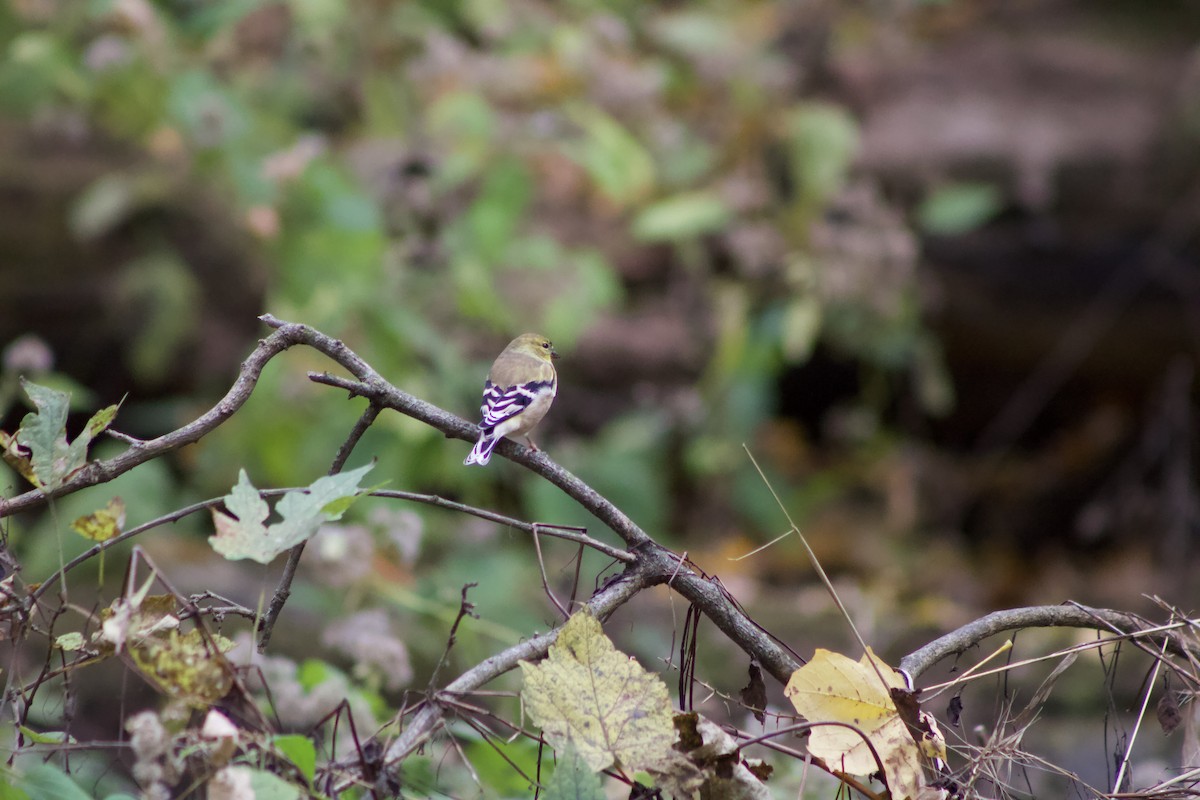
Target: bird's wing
(505, 402)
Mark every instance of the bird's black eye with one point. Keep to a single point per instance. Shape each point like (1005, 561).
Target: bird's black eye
(545, 345)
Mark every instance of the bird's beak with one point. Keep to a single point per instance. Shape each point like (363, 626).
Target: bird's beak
(554, 353)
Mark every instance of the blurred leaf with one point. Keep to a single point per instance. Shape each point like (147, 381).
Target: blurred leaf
(70, 641)
(207, 19)
(493, 761)
(596, 288)
(268, 786)
(106, 203)
(103, 524)
(239, 782)
(300, 751)
(493, 219)
(204, 109)
(318, 19)
(681, 217)
(959, 208)
(934, 385)
(801, 327)
(9, 790)
(40, 68)
(822, 141)
(616, 161)
(130, 99)
(319, 677)
(48, 782)
(313, 672)
(573, 779)
(242, 534)
(697, 33)
(466, 125)
(162, 294)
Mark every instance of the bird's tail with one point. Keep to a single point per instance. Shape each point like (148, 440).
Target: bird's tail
(481, 453)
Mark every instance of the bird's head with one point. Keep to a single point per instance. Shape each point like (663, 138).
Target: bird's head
(533, 344)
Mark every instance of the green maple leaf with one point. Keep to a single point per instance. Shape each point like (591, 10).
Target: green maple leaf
(40, 450)
(242, 533)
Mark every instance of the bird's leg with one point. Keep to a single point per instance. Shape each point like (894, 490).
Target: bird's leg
(532, 444)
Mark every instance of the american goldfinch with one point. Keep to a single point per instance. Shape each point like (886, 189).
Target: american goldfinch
(519, 390)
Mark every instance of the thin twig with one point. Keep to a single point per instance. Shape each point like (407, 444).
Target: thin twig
(103, 471)
(465, 609)
(284, 590)
(1065, 616)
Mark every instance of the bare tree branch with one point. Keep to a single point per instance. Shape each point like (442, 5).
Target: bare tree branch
(1065, 616)
(140, 452)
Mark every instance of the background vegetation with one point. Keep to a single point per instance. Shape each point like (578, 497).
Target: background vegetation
(932, 263)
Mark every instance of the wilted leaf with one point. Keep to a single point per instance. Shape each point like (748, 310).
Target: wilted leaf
(186, 666)
(832, 688)
(17, 457)
(40, 451)
(720, 770)
(589, 695)
(1169, 715)
(104, 524)
(303, 511)
(135, 617)
(754, 695)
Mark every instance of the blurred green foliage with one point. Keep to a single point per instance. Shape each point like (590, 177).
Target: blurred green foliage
(427, 179)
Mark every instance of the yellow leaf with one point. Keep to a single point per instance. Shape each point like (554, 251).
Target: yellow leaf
(186, 666)
(588, 694)
(833, 688)
(104, 524)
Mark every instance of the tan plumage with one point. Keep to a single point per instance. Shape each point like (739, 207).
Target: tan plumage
(520, 387)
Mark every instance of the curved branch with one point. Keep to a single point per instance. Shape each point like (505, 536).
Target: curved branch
(1065, 616)
(661, 562)
(455, 427)
(713, 601)
(140, 452)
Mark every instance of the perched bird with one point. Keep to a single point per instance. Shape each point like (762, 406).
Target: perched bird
(519, 390)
